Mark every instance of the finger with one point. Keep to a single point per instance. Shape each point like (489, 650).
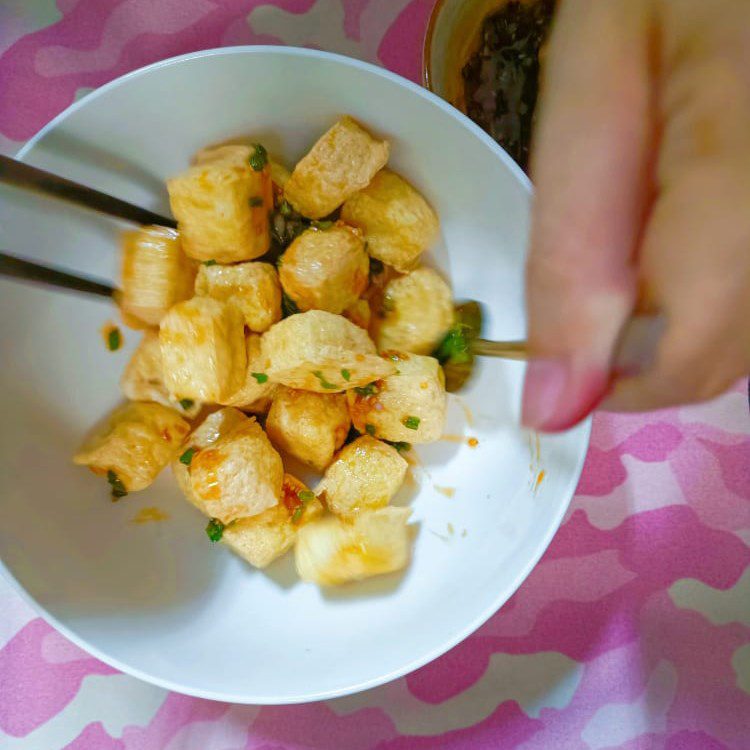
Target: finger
(696, 255)
(590, 167)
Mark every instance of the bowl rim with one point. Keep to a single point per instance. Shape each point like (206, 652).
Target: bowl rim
(542, 544)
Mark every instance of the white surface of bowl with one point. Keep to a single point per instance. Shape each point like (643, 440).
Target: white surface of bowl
(159, 601)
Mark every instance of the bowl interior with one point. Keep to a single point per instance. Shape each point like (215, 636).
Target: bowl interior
(157, 599)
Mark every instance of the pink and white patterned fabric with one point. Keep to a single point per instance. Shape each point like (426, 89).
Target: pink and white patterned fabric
(634, 630)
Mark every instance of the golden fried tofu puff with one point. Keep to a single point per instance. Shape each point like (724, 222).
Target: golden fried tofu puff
(257, 391)
(365, 475)
(263, 538)
(203, 350)
(231, 470)
(309, 426)
(408, 406)
(155, 273)
(343, 161)
(397, 221)
(222, 204)
(332, 551)
(133, 444)
(416, 313)
(253, 288)
(322, 352)
(143, 377)
(325, 269)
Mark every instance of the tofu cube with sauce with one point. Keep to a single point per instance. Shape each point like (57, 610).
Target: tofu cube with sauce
(364, 476)
(322, 352)
(408, 406)
(263, 538)
(309, 426)
(133, 444)
(257, 391)
(253, 288)
(325, 269)
(222, 204)
(203, 350)
(397, 221)
(417, 312)
(343, 161)
(155, 274)
(228, 468)
(332, 551)
(143, 377)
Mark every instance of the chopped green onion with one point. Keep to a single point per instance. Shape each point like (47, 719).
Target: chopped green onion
(306, 495)
(402, 446)
(346, 375)
(215, 529)
(288, 305)
(259, 159)
(114, 340)
(187, 403)
(368, 390)
(211, 262)
(326, 224)
(411, 423)
(261, 377)
(118, 488)
(285, 209)
(299, 510)
(328, 386)
(255, 201)
(187, 457)
(370, 429)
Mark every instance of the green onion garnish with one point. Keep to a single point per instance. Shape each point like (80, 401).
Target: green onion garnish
(114, 340)
(346, 375)
(211, 262)
(328, 386)
(187, 457)
(118, 488)
(261, 377)
(370, 429)
(215, 529)
(411, 423)
(259, 159)
(187, 403)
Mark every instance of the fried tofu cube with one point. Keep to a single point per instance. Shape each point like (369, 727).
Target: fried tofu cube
(325, 269)
(279, 174)
(332, 551)
(222, 204)
(233, 470)
(263, 538)
(417, 312)
(364, 476)
(342, 162)
(408, 406)
(257, 391)
(309, 426)
(322, 352)
(155, 272)
(134, 443)
(203, 350)
(359, 313)
(397, 221)
(253, 288)
(143, 378)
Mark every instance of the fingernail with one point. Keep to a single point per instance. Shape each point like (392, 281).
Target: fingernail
(558, 394)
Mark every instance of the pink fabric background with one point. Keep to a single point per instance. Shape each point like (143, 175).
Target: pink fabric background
(632, 633)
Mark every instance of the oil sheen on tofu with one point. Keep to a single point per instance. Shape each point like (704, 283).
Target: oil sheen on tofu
(287, 325)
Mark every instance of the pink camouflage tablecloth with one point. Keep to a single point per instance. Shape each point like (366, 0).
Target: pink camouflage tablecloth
(634, 630)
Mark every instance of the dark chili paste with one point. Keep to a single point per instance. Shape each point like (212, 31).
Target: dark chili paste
(501, 79)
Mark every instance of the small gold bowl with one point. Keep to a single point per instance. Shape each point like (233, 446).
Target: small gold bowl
(452, 37)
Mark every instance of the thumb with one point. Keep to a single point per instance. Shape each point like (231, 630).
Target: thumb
(590, 168)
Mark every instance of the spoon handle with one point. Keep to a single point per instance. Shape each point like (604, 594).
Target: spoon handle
(504, 349)
(20, 174)
(24, 270)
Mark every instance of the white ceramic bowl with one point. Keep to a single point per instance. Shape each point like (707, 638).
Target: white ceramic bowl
(158, 600)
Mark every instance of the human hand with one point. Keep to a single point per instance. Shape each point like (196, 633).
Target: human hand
(642, 170)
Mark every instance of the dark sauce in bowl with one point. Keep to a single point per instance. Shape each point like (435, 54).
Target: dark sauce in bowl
(501, 79)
